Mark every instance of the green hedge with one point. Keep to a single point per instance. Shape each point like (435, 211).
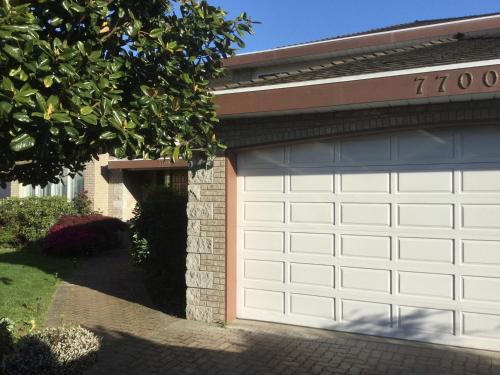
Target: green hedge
(27, 220)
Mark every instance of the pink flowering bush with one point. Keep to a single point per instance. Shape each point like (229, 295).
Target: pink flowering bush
(84, 235)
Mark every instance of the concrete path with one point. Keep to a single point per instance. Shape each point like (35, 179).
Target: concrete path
(107, 295)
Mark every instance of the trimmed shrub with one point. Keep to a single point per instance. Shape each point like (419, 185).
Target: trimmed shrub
(84, 235)
(83, 204)
(158, 243)
(25, 220)
(7, 328)
(158, 227)
(53, 351)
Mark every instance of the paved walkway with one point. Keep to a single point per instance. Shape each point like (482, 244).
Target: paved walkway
(107, 296)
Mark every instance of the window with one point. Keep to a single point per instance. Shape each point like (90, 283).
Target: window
(69, 187)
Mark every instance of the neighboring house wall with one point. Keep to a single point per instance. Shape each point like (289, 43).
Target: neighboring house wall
(15, 189)
(206, 260)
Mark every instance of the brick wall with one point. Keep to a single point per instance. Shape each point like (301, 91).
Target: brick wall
(205, 275)
(255, 131)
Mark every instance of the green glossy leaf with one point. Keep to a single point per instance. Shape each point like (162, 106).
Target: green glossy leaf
(7, 84)
(61, 117)
(77, 8)
(19, 73)
(156, 33)
(107, 136)
(22, 142)
(53, 101)
(40, 100)
(71, 131)
(86, 110)
(90, 119)
(14, 52)
(5, 109)
(27, 91)
(21, 117)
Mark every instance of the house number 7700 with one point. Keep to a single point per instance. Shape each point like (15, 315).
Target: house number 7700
(464, 81)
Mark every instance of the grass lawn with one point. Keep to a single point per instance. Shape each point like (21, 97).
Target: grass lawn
(28, 279)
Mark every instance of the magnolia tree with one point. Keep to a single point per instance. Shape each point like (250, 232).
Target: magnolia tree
(79, 78)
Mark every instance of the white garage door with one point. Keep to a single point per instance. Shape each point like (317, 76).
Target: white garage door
(395, 235)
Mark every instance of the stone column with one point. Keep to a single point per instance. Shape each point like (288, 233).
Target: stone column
(205, 264)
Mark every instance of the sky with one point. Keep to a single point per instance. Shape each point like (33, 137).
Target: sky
(297, 21)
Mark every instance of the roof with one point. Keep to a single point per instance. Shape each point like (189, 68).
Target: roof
(437, 52)
(366, 41)
(402, 26)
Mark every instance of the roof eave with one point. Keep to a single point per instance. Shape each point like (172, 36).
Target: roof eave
(361, 42)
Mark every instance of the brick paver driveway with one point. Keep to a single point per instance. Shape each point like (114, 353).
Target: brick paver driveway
(107, 296)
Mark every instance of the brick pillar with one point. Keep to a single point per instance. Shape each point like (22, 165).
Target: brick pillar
(205, 264)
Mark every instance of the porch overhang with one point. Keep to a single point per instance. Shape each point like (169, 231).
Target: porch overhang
(145, 165)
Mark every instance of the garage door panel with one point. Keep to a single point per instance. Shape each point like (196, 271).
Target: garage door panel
(373, 149)
(426, 215)
(434, 321)
(267, 212)
(312, 306)
(425, 182)
(426, 284)
(481, 289)
(366, 313)
(365, 214)
(363, 182)
(481, 216)
(312, 182)
(264, 300)
(393, 235)
(264, 270)
(480, 144)
(312, 243)
(368, 280)
(481, 181)
(426, 250)
(365, 247)
(264, 183)
(312, 274)
(269, 157)
(425, 146)
(476, 252)
(264, 241)
(481, 325)
(315, 153)
(312, 213)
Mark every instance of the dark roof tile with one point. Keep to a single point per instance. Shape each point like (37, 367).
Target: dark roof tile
(442, 51)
